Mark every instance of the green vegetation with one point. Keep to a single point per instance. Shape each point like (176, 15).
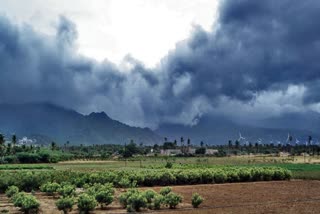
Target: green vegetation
(67, 190)
(165, 190)
(134, 200)
(172, 200)
(65, 204)
(26, 202)
(24, 167)
(11, 191)
(32, 180)
(50, 188)
(103, 193)
(86, 203)
(196, 200)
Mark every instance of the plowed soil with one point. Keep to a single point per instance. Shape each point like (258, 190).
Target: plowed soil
(295, 196)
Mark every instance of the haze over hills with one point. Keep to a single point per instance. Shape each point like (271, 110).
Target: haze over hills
(47, 122)
(219, 129)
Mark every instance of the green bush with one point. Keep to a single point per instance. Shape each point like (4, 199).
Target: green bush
(104, 197)
(158, 201)
(196, 200)
(11, 191)
(27, 203)
(123, 198)
(136, 201)
(168, 165)
(50, 188)
(86, 202)
(95, 188)
(18, 198)
(67, 190)
(126, 183)
(165, 190)
(65, 204)
(149, 194)
(172, 200)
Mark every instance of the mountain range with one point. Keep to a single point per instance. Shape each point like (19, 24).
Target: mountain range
(47, 122)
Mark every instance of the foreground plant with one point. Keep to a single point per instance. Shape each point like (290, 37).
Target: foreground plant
(11, 191)
(67, 190)
(27, 203)
(86, 203)
(165, 190)
(65, 204)
(50, 188)
(196, 200)
(133, 200)
(172, 200)
(104, 197)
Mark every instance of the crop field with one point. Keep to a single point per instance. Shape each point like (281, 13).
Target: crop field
(301, 167)
(256, 197)
(227, 184)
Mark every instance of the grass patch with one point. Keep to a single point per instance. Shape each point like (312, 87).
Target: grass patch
(25, 167)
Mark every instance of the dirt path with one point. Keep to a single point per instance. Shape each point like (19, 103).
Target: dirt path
(258, 197)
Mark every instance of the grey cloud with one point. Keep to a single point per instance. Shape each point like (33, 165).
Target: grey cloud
(256, 48)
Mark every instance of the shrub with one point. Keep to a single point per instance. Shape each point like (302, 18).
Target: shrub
(50, 188)
(123, 198)
(18, 198)
(126, 183)
(196, 200)
(26, 202)
(11, 191)
(149, 194)
(86, 202)
(65, 204)
(67, 190)
(136, 201)
(157, 202)
(95, 188)
(172, 200)
(168, 165)
(104, 197)
(165, 190)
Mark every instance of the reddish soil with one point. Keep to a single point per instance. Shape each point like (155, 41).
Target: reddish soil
(260, 197)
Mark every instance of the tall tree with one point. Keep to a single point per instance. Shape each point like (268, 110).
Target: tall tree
(1, 139)
(14, 143)
(53, 145)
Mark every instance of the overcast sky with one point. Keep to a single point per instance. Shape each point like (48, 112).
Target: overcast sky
(149, 62)
(114, 28)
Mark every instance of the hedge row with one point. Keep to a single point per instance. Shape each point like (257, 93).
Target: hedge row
(32, 180)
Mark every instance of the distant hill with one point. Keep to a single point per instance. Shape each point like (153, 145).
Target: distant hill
(51, 122)
(218, 130)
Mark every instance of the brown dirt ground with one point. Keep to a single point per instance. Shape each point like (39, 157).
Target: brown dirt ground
(295, 196)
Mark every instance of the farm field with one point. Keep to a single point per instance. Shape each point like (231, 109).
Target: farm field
(301, 168)
(244, 184)
(294, 196)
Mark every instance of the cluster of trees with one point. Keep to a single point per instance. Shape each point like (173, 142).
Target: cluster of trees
(237, 148)
(10, 152)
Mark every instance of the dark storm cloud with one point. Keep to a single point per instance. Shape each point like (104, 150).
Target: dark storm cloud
(255, 47)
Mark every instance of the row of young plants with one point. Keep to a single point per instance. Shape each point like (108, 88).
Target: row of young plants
(133, 200)
(26, 202)
(32, 180)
